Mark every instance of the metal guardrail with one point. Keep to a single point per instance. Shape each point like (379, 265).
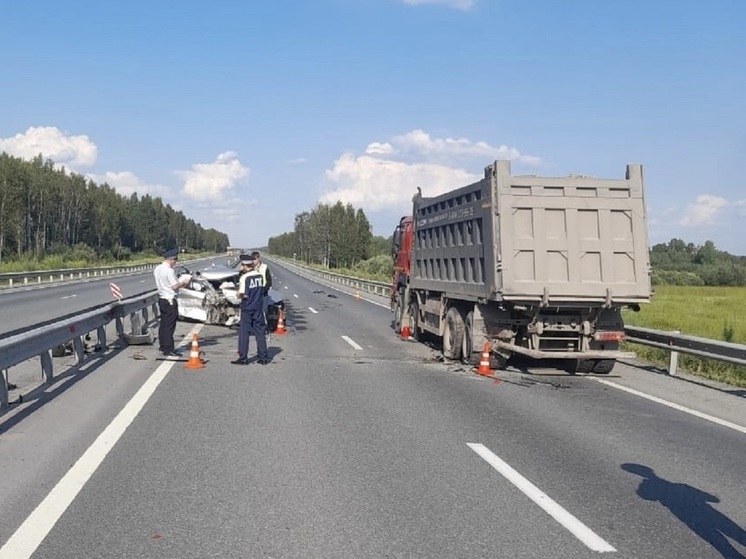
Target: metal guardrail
(37, 277)
(675, 342)
(39, 342)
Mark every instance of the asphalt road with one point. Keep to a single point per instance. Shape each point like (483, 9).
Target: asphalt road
(352, 443)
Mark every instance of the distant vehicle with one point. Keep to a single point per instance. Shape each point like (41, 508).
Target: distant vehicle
(211, 296)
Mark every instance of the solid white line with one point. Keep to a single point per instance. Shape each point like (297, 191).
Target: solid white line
(40, 522)
(314, 311)
(690, 411)
(577, 528)
(345, 338)
(68, 296)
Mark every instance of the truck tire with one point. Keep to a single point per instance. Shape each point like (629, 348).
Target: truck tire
(603, 366)
(575, 366)
(468, 357)
(453, 334)
(414, 320)
(398, 311)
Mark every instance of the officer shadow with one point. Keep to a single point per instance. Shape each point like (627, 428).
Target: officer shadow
(691, 506)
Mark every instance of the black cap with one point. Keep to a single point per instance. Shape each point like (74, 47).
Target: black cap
(247, 259)
(173, 253)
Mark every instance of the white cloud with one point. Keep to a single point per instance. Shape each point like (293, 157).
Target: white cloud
(418, 143)
(459, 4)
(703, 211)
(52, 143)
(126, 183)
(387, 175)
(377, 184)
(297, 161)
(214, 181)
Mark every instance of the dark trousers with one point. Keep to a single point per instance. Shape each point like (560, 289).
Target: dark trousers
(252, 322)
(167, 326)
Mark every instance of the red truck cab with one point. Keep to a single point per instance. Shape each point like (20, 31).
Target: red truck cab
(401, 250)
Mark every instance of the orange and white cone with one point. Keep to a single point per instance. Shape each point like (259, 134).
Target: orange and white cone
(404, 331)
(195, 361)
(484, 361)
(280, 330)
(357, 295)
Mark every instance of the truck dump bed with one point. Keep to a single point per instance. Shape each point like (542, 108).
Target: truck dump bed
(535, 239)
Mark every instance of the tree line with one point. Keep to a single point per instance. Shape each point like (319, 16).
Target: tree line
(680, 263)
(47, 211)
(336, 236)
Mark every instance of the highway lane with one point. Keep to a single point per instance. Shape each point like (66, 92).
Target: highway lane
(26, 306)
(334, 451)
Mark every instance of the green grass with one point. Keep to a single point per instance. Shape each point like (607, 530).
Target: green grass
(717, 313)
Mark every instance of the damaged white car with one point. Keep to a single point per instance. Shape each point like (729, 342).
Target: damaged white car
(211, 296)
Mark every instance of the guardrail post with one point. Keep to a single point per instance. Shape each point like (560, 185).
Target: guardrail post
(78, 349)
(120, 327)
(47, 367)
(673, 361)
(101, 335)
(4, 398)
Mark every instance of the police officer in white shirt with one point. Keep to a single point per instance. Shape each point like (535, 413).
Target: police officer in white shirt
(168, 286)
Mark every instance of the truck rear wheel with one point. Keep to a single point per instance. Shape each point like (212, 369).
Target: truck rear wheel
(468, 356)
(575, 366)
(453, 334)
(603, 366)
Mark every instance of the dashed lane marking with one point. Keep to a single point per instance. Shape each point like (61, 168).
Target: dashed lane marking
(295, 295)
(314, 311)
(575, 526)
(349, 341)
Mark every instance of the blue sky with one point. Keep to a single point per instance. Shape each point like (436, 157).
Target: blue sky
(243, 113)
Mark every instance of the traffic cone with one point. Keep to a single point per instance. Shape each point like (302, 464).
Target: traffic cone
(280, 330)
(484, 361)
(357, 295)
(404, 330)
(194, 362)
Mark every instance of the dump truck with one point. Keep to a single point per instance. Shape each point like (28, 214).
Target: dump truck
(524, 265)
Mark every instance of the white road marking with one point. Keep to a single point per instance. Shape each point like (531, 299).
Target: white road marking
(68, 296)
(314, 311)
(690, 411)
(345, 338)
(576, 528)
(295, 295)
(23, 543)
(286, 287)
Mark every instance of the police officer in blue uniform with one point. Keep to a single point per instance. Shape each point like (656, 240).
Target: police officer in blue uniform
(251, 293)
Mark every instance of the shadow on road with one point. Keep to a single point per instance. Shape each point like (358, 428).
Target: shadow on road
(691, 506)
